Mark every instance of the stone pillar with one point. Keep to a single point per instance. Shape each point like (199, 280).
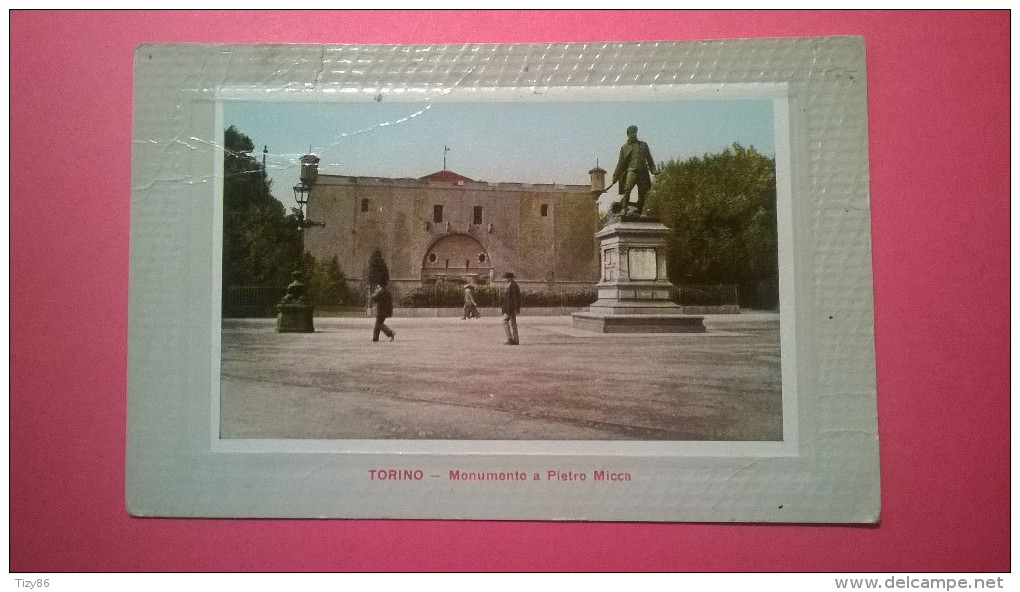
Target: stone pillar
(309, 169)
(598, 181)
(633, 291)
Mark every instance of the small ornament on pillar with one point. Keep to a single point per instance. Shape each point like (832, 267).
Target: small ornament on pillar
(309, 169)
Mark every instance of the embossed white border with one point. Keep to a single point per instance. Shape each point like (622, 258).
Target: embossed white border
(825, 470)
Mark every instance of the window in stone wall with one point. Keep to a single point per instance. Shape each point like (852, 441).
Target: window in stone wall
(364, 205)
(478, 215)
(545, 210)
(437, 213)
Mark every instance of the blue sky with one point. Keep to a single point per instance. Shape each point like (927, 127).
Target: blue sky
(530, 141)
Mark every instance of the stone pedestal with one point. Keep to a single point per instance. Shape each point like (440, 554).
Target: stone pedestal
(633, 292)
(294, 318)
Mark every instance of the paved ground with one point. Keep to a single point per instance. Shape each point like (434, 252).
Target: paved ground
(444, 378)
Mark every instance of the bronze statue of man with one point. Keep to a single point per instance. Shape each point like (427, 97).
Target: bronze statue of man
(633, 168)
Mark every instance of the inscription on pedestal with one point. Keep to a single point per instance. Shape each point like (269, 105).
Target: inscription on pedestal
(642, 263)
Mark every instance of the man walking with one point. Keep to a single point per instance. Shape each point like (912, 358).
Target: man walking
(470, 307)
(383, 310)
(511, 306)
(632, 169)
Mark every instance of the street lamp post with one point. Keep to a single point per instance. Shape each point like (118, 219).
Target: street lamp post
(294, 312)
(301, 191)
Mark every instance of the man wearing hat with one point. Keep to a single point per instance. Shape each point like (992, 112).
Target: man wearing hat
(632, 170)
(383, 301)
(470, 307)
(511, 306)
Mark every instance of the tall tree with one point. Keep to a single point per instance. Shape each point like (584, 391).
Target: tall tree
(327, 283)
(260, 239)
(721, 209)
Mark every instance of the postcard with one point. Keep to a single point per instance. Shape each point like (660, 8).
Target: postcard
(595, 281)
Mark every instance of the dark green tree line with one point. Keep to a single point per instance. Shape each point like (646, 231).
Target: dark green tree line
(721, 209)
(260, 240)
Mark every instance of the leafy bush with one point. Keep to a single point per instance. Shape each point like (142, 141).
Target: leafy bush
(327, 285)
(719, 295)
(448, 294)
(568, 299)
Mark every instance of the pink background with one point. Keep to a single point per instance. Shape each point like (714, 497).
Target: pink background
(938, 86)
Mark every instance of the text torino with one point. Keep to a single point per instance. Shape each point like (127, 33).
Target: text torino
(457, 475)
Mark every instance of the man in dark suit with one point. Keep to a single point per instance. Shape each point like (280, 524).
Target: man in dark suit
(511, 306)
(383, 310)
(632, 169)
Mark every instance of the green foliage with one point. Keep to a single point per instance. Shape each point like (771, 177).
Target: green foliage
(327, 285)
(448, 294)
(569, 299)
(261, 241)
(694, 295)
(378, 271)
(721, 209)
(451, 295)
